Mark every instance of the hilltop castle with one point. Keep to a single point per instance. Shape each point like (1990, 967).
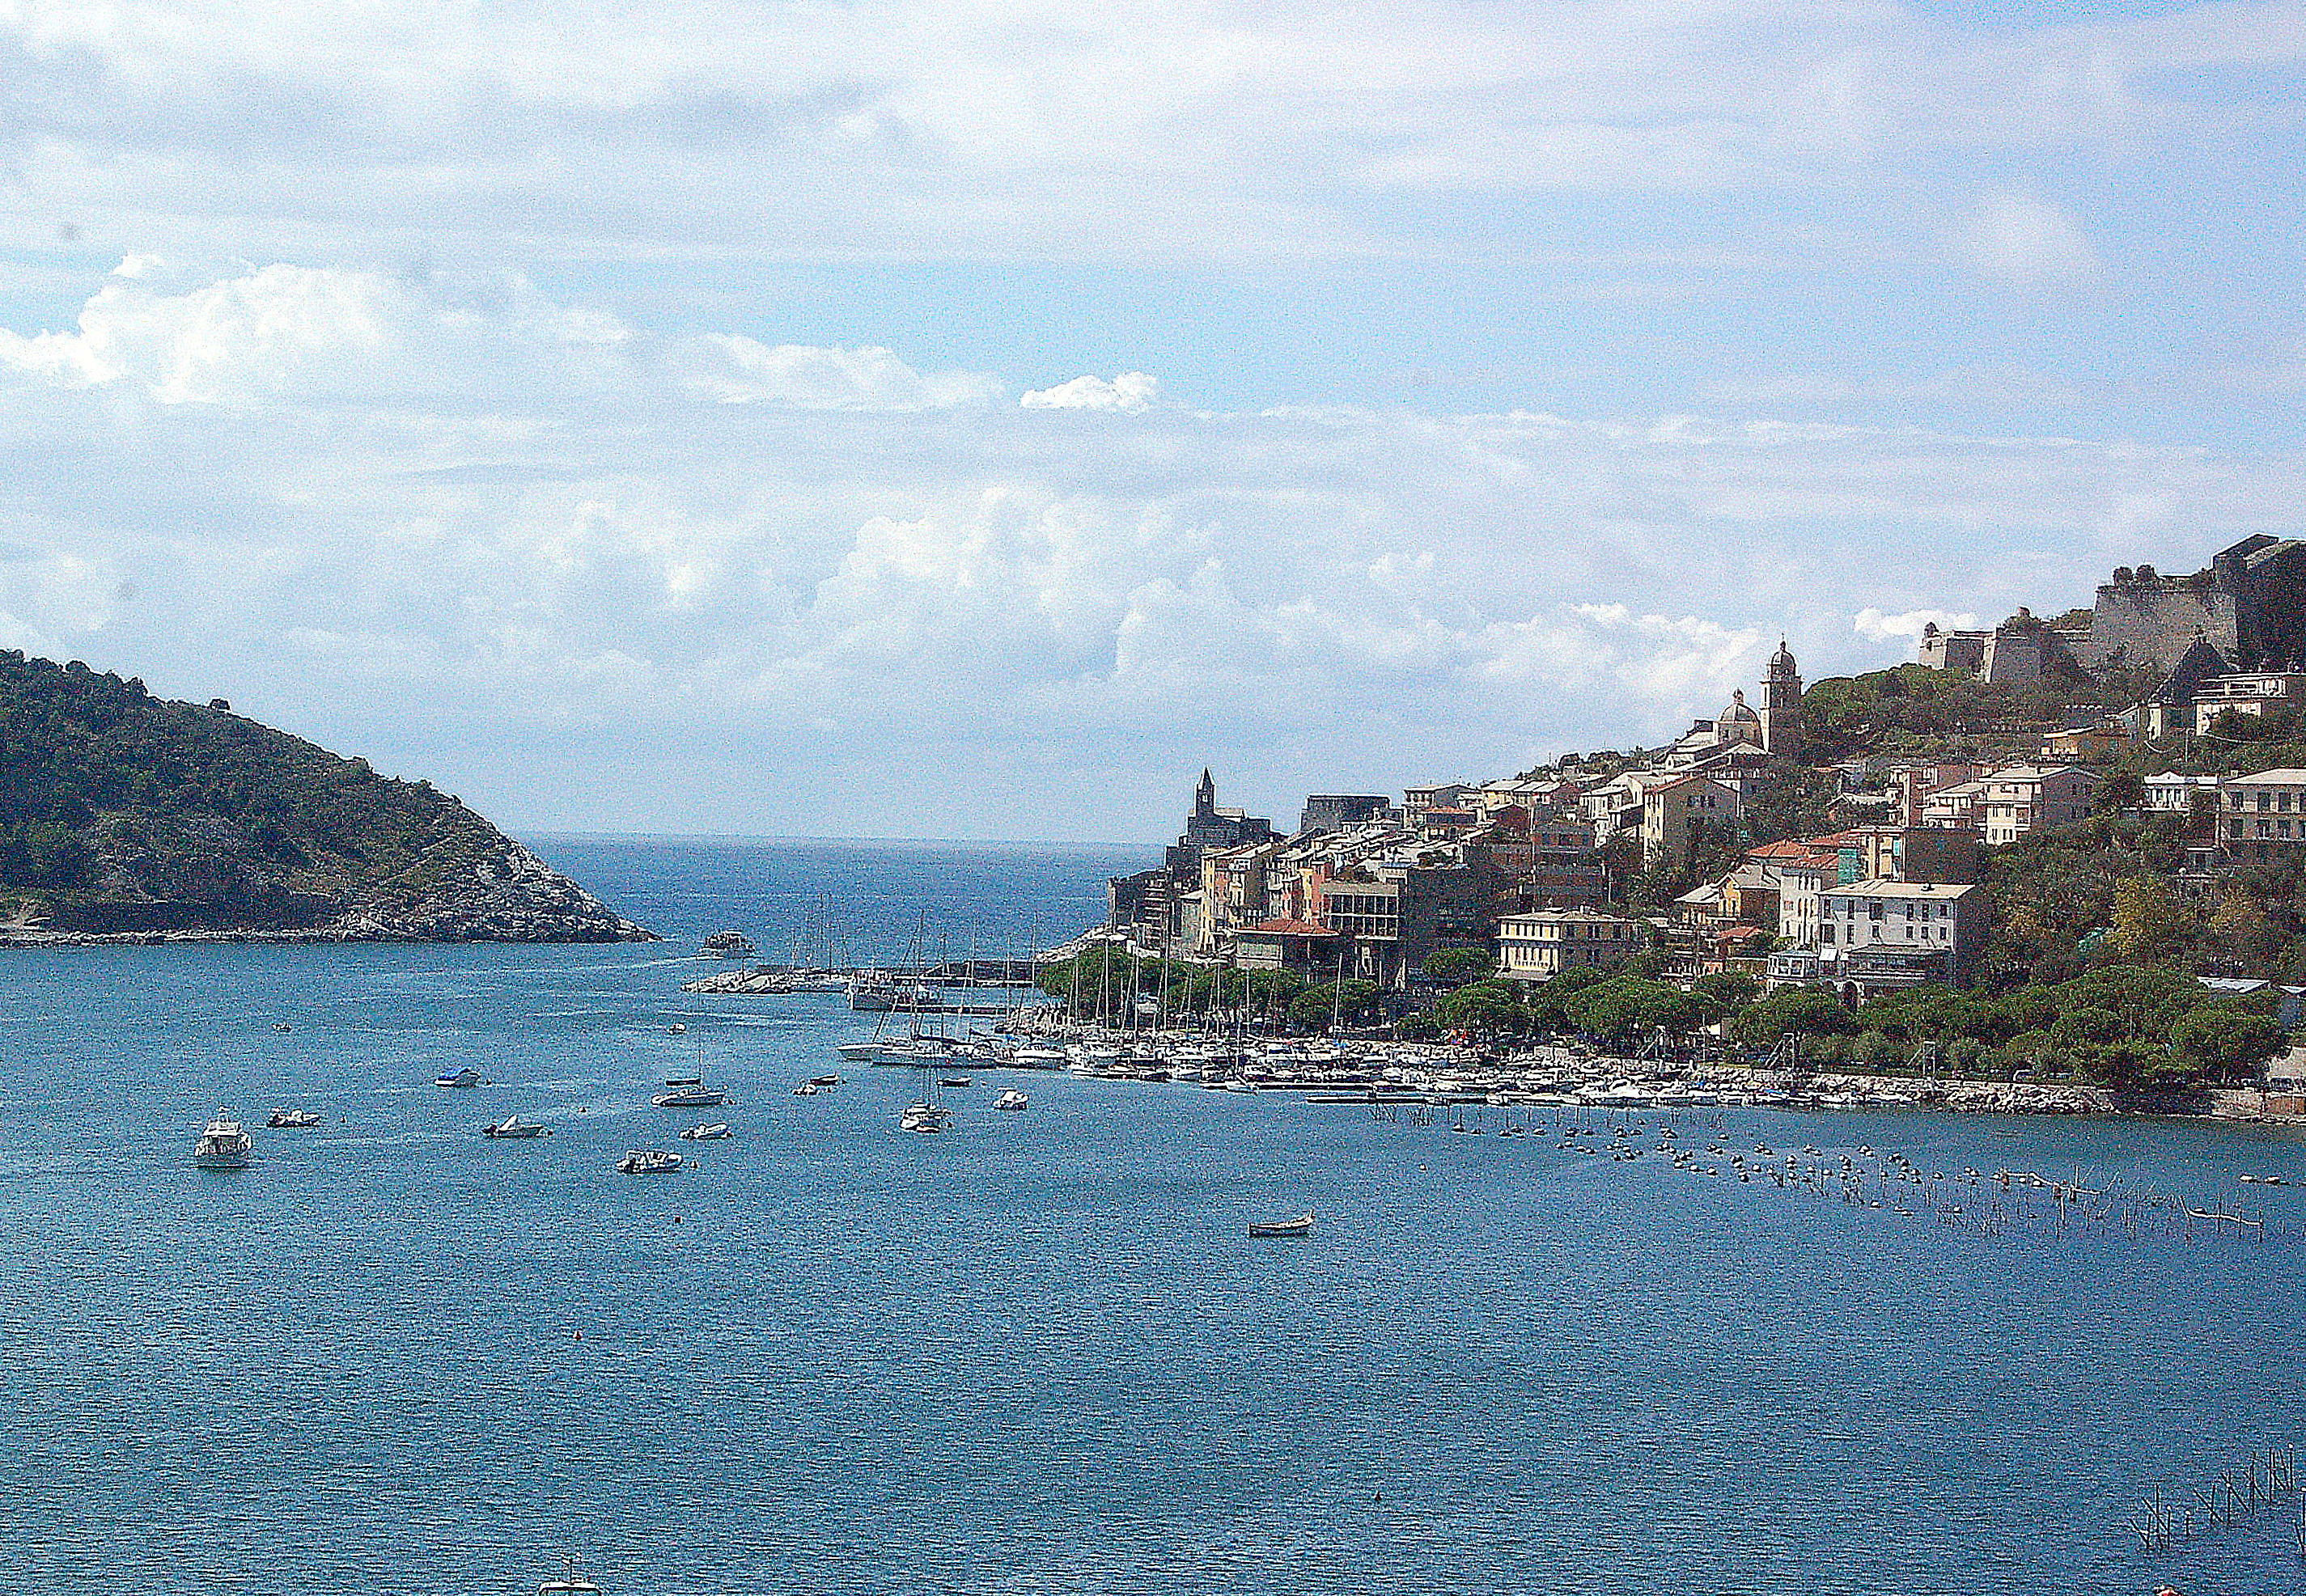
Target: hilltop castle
(2245, 611)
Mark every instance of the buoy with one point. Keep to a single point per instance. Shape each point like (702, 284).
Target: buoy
(580, 1335)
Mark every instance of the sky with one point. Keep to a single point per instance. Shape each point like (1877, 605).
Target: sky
(971, 420)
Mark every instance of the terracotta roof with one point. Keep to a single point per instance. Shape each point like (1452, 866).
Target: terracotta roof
(1779, 850)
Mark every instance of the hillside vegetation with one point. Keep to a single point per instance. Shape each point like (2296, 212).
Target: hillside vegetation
(124, 812)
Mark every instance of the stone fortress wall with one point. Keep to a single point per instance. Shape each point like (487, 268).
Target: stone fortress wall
(2249, 604)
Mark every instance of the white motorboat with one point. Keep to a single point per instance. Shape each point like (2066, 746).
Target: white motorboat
(689, 1092)
(859, 1053)
(292, 1119)
(515, 1129)
(223, 1145)
(726, 944)
(568, 1583)
(465, 1077)
(1038, 1058)
(649, 1161)
(1011, 1099)
(1303, 1226)
(716, 1131)
(807, 1088)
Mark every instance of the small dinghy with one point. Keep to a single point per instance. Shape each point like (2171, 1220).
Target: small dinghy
(716, 1131)
(467, 1076)
(1012, 1100)
(1301, 1225)
(651, 1161)
(515, 1129)
(292, 1119)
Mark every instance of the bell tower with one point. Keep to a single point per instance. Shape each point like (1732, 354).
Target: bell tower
(1781, 691)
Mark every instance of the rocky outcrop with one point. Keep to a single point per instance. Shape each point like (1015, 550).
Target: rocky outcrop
(514, 897)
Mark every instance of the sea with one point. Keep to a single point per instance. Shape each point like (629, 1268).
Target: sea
(1040, 1353)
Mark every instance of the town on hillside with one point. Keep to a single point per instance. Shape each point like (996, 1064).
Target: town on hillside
(2119, 787)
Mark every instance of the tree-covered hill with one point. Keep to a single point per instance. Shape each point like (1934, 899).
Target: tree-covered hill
(121, 812)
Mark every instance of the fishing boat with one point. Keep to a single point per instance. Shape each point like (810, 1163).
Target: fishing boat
(688, 1091)
(1303, 1226)
(292, 1119)
(1012, 1100)
(465, 1077)
(515, 1129)
(223, 1145)
(568, 1583)
(716, 1131)
(649, 1161)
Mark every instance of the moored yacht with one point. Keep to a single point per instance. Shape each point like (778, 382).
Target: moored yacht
(223, 1145)
(689, 1092)
(467, 1076)
(716, 1131)
(925, 1118)
(649, 1161)
(858, 1052)
(515, 1129)
(1011, 1099)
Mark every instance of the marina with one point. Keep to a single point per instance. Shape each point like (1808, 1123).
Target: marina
(1548, 1335)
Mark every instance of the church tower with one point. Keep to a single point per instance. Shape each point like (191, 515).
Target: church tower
(1205, 798)
(1781, 690)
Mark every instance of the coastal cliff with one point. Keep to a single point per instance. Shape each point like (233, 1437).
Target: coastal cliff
(127, 817)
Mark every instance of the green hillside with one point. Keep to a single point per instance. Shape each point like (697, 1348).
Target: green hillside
(124, 812)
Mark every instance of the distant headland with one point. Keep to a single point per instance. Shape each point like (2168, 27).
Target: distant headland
(124, 816)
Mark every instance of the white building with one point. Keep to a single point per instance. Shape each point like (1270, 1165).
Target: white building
(2263, 818)
(2026, 798)
(1885, 934)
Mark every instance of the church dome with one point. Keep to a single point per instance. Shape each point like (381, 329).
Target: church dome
(1738, 713)
(1783, 659)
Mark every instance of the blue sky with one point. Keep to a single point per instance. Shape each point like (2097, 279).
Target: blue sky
(971, 419)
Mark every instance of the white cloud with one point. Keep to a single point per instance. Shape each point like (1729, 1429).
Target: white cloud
(741, 371)
(1131, 390)
(534, 562)
(2025, 243)
(1875, 627)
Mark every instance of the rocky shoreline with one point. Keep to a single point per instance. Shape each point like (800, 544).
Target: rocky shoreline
(511, 897)
(1960, 1096)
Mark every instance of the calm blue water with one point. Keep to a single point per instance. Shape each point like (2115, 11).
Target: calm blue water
(1038, 1353)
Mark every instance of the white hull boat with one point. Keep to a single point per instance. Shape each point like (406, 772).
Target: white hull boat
(223, 1145)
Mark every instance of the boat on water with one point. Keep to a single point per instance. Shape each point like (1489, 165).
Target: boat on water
(1303, 1226)
(223, 1145)
(292, 1119)
(515, 1129)
(925, 1118)
(568, 1583)
(858, 1052)
(726, 944)
(678, 1028)
(952, 1080)
(716, 1131)
(1038, 1058)
(1012, 1099)
(467, 1076)
(649, 1161)
(821, 1082)
(807, 1088)
(688, 1091)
